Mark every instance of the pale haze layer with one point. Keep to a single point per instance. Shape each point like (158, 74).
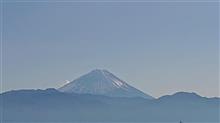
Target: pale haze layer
(159, 48)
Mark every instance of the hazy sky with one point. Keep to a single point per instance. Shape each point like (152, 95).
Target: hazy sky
(159, 48)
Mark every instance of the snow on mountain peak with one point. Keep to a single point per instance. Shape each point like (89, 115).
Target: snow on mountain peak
(102, 82)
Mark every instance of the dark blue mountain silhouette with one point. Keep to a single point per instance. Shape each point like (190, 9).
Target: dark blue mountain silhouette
(51, 105)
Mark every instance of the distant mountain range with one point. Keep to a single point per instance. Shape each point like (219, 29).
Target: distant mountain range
(99, 96)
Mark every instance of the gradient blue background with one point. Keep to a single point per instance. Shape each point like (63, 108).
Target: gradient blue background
(158, 47)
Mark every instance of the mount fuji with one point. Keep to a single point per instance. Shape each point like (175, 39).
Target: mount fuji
(102, 82)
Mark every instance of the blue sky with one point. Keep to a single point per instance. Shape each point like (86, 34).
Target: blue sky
(160, 48)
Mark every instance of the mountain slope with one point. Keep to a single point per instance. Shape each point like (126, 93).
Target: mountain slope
(102, 82)
(53, 106)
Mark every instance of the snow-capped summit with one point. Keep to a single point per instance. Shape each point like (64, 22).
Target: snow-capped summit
(102, 82)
